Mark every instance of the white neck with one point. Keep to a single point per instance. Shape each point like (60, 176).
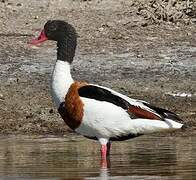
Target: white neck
(61, 81)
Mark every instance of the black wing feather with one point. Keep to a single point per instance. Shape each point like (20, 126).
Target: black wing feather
(101, 94)
(163, 112)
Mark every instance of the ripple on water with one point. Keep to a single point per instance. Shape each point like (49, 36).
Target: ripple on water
(145, 157)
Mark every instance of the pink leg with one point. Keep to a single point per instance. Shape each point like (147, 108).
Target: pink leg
(104, 147)
(103, 151)
(104, 156)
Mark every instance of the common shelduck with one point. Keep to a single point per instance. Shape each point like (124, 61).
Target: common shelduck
(95, 111)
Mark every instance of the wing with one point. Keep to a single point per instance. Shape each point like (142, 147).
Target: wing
(135, 108)
(97, 93)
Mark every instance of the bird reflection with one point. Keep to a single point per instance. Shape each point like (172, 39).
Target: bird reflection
(104, 173)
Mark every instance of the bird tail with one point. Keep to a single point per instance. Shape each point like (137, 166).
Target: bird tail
(173, 124)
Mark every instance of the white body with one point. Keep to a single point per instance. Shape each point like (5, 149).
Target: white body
(103, 119)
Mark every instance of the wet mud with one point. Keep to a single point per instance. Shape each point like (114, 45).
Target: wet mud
(117, 48)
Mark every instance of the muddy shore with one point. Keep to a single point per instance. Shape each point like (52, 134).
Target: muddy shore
(117, 48)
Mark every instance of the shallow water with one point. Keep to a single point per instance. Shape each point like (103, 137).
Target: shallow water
(74, 157)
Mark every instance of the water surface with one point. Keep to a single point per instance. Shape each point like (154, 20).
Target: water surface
(74, 157)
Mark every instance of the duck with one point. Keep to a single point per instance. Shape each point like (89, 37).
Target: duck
(95, 111)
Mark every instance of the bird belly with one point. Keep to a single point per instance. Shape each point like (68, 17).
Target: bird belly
(103, 120)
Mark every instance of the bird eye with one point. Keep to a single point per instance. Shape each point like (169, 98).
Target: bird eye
(53, 27)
